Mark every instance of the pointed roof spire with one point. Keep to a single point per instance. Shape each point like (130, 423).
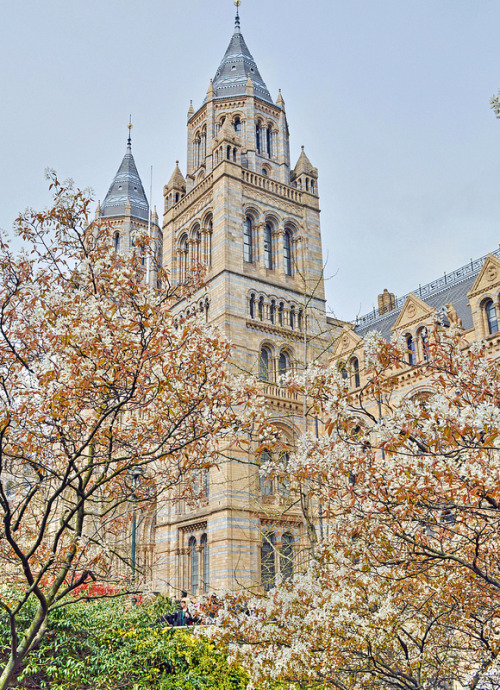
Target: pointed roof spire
(304, 165)
(236, 66)
(280, 101)
(177, 180)
(126, 194)
(191, 109)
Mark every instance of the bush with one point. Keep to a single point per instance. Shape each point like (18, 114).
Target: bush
(102, 645)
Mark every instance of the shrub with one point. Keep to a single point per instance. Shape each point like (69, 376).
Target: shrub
(105, 645)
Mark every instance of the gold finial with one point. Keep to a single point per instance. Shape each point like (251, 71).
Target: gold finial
(237, 20)
(237, 3)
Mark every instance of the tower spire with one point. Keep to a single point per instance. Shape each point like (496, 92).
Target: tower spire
(130, 125)
(237, 18)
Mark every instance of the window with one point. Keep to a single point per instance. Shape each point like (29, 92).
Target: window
(267, 561)
(355, 371)
(264, 364)
(281, 310)
(268, 246)
(117, 242)
(410, 346)
(264, 172)
(252, 307)
(193, 564)
(284, 363)
(269, 142)
(272, 312)
(299, 320)
(424, 339)
(287, 253)
(286, 556)
(205, 562)
(183, 258)
(265, 483)
(491, 317)
(261, 308)
(283, 481)
(237, 125)
(292, 317)
(248, 241)
(258, 138)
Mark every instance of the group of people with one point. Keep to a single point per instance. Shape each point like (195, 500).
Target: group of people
(189, 612)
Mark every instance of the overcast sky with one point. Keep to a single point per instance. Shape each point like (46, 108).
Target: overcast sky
(389, 97)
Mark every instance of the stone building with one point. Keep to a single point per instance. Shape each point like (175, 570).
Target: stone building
(468, 297)
(251, 221)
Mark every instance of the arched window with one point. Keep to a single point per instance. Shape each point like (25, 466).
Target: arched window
(491, 317)
(287, 253)
(198, 246)
(424, 340)
(292, 317)
(237, 125)
(269, 142)
(205, 563)
(248, 240)
(265, 483)
(267, 561)
(117, 242)
(252, 306)
(261, 308)
(258, 137)
(410, 346)
(268, 246)
(286, 556)
(209, 227)
(299, 320)
(284, 363)
(228, 153)
(264, 364)
(272, 312)
(264, 172)
(281, 310)
(193, 565)
(355, 372)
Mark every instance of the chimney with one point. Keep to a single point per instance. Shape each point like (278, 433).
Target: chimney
(386, 302)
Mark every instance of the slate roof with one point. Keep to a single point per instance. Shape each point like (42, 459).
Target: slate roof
(236, 66)
(450, 288)
(126, 186)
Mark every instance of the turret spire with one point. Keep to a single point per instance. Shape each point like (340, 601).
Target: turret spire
(126, 194)
(236, 66)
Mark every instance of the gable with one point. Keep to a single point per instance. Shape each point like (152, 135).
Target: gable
(414, 310)
(346, 342)
(487, 278)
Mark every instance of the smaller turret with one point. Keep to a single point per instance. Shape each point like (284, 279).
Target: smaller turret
(227, 144)
(280, 101)
(305, 175)
(175, 189)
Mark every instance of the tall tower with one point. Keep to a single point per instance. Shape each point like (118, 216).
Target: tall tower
(253, 223)
(126, 208)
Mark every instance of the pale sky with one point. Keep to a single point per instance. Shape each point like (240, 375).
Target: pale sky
(389, 97)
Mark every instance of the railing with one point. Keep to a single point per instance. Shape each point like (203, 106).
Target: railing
(425, 291)
(274, 391)
(270, 185)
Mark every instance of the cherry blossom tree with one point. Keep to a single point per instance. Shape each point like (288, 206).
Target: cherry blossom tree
(97, 384)
(403, 589)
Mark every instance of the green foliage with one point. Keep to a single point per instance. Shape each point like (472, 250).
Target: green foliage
(103, 645)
